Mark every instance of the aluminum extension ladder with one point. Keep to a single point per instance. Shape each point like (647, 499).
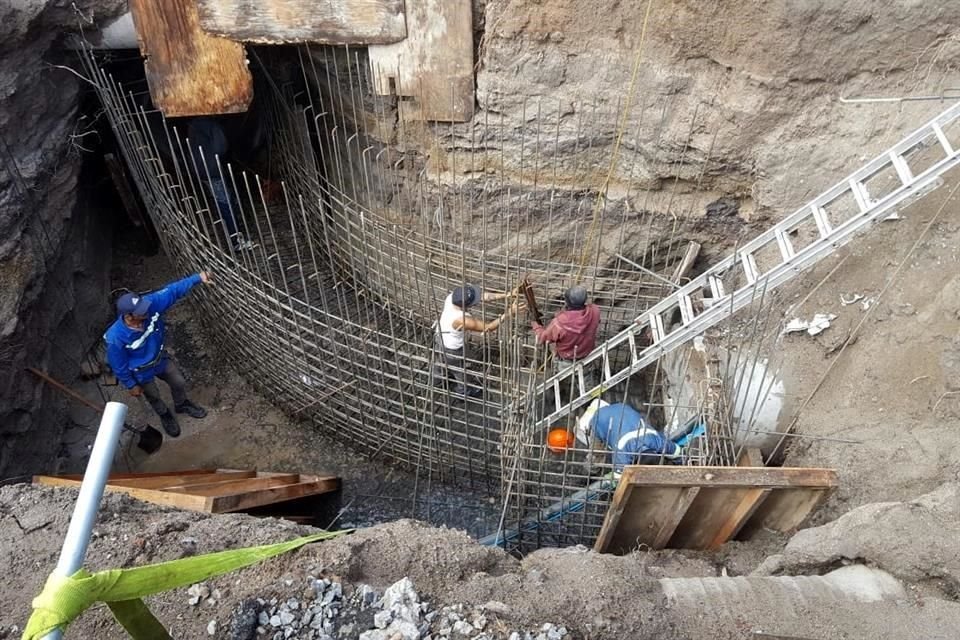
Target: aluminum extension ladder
(907, 171)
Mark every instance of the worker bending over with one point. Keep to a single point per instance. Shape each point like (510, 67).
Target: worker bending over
(627, 434)
(454, 321)
(573, 332)
(136, 354)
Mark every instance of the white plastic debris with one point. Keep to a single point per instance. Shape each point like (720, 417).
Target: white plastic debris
(854, 298)
(818, 324)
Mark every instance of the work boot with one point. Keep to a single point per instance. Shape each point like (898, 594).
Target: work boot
(191, 409)
(169, 423)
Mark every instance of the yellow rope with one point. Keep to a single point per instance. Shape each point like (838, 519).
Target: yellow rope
(621, 127)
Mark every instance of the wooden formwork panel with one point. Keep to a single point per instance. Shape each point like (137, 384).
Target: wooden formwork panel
(290, 21)
(703, 507)
(210, 490)
(189, 72)
(433, 66)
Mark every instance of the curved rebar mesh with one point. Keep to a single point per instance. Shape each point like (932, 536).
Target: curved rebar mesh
(330, 312)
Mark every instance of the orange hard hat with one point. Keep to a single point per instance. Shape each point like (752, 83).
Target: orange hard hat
(559, 440)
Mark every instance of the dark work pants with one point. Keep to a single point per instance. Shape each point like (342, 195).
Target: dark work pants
(178, 388)
(450, 362)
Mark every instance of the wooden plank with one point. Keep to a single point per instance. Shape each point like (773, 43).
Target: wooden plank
(122, 185)
(234, 486)
(285, 21)
(669, 525)
(751, 457)
(785, 510)
(126, 476)
(434, 64)
(248, 500)
(750, 477)
(166, 482)
(165, 498)
(753, 499)
(189, 72)
(614, 512)
(706, 515)
(689, 257)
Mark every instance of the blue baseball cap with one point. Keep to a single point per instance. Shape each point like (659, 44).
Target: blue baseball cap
(463, 297)
(133, 303)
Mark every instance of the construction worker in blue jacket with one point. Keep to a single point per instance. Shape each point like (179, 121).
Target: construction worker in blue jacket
(136, 354)
(627, 434)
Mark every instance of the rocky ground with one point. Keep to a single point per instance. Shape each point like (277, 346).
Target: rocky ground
(405, 580)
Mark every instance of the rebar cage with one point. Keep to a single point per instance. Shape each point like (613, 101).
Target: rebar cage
(358, 223)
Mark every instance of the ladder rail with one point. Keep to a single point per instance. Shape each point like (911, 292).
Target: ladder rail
(838, 234)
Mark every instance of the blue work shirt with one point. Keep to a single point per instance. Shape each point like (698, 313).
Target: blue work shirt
(630, 437)
(135, 356)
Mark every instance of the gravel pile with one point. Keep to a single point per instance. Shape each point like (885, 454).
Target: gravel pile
(324, 611)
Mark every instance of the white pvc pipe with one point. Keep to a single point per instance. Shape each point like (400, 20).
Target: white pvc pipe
(91, 491)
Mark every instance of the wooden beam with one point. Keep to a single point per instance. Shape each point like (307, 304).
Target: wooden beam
(179, 482)
(288, 21)
(751, 457)
(748, 477)
(689, 257)
(125, 476)
(738, 517)
(787, 509)
(679, 510)
(614, 512)
(230, 487)
(250, 499)
(433, 65)
(165, 498)
(189, 72)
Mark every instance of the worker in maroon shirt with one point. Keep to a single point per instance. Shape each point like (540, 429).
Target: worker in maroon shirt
(573, 332)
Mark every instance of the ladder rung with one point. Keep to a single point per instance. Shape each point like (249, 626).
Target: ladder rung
(578, 375)
(786, 247)
(903, 169)
(686, 308)
(749, 267)
(556, 393)
(941, 136)
(860, 195)
(656, 327)
(632, 340)
(716, 287)
(823, 222)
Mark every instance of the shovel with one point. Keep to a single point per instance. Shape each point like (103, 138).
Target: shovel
(148, 438)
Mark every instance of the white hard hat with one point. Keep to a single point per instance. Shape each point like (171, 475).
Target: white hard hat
(583, 425)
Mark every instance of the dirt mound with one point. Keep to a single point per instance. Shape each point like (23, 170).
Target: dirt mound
(915, 541)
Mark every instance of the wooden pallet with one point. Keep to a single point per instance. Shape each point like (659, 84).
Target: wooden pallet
(210, 490)
(703, 507)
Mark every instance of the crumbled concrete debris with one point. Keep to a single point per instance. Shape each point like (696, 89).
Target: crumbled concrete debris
(324, 612)
(212, 628)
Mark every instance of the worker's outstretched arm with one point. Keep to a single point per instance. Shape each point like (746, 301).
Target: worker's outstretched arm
(165, 298)
(120, 363)
(550, 333)
(469, 323)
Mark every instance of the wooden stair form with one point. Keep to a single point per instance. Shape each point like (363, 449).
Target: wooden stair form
(657, 507)
(210, 490)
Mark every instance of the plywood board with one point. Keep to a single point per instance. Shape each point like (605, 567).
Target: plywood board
(434, 65)
(704, 507)
(287, 21)
(786, 510)
(189, 71)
